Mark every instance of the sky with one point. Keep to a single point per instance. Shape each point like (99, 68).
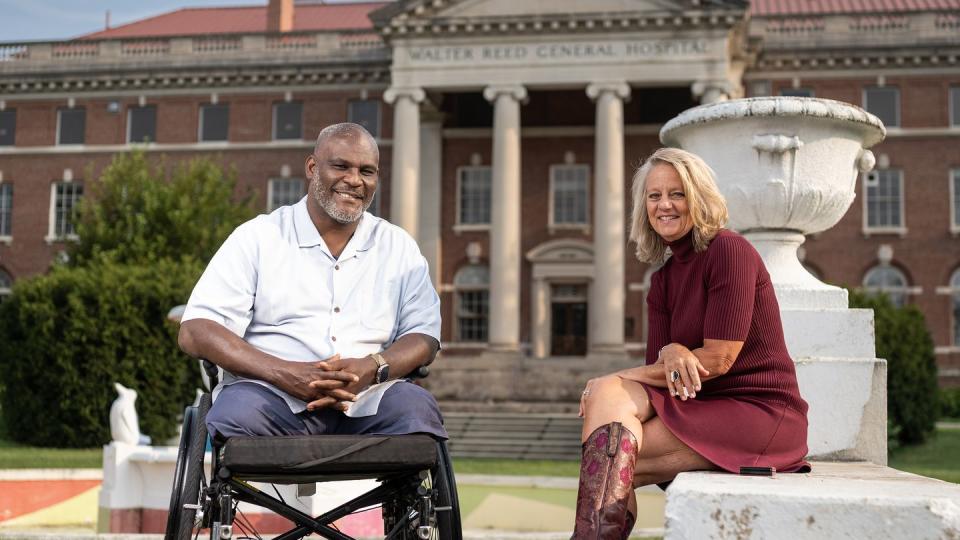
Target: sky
(29, 20)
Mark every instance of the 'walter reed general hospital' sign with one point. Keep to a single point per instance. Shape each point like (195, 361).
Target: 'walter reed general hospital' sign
(556, 52)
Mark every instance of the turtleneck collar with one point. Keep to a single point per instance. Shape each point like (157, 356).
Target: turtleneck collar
(682, 248)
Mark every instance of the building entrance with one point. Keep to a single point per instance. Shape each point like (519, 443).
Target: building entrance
(568, 320)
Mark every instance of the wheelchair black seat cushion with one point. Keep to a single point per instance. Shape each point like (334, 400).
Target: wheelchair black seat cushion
(333, 455)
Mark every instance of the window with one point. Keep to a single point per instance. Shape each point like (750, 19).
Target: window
(472, 285)
(569, 187)
(884, 200)
(955, 311)
(283, 192)
(66, 198)
(955, 200)
(954, 106)
(142, 124)
(6, 209)
(883, 101)
(214, 122)
(287, 120)
(8, 127)
(888, 280)
(71, 125)
(366, 113)
(474, 199)
(6, 283)
(797, 92)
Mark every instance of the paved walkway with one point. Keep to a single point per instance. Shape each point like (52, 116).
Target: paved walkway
(508, 507)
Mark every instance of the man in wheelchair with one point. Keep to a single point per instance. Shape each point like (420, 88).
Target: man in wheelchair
(315, 314)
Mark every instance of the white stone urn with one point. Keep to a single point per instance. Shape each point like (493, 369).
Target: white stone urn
(788, 167)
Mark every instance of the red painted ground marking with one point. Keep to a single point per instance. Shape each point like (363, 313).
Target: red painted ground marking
(19, 497)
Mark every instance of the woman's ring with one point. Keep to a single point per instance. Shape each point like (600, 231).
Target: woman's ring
(674, 376)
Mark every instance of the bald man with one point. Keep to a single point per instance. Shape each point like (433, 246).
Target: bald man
(317, 311)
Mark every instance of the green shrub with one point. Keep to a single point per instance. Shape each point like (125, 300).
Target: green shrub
(950, 402)
(66, 337)
(905, 343)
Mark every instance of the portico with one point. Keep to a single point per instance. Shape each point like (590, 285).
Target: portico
(507, 51)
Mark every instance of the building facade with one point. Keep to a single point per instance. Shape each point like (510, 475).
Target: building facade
(509, 132)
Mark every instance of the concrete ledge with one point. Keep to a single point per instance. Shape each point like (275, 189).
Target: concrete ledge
(836, 500)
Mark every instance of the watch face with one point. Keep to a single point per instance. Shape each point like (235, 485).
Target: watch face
(383, 373)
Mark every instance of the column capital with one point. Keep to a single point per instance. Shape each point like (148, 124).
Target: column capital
(712, 91)
(516, 91)
(619, 88)
(416, 94)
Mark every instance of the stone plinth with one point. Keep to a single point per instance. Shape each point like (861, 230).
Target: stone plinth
(836, 500)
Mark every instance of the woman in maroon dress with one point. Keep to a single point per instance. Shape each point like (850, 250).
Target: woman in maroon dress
(719, 389)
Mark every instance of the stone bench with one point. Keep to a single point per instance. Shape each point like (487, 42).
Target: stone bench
(836, 500)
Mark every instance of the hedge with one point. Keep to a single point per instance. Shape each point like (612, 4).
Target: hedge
(67, 336)
(905, 343)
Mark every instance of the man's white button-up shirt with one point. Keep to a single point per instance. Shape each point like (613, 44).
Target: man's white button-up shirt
(275, 283)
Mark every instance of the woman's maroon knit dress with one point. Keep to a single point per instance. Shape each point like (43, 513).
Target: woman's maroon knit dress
(753, 415)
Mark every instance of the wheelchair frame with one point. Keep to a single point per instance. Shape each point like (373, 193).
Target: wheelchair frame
(416, 504)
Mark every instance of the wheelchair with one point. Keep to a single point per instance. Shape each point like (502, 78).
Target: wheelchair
(416, 491)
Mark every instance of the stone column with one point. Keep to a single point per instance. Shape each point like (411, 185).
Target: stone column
(504, 332)
(405, 180)
(431, 160)
(609, 236)
(540, 320)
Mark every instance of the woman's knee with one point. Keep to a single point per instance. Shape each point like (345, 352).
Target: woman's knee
(609, 391)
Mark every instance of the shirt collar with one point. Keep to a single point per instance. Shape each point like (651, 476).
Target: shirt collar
(308, 235)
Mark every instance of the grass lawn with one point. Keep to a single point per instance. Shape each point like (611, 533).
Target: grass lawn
(936, 458)
(16, 456)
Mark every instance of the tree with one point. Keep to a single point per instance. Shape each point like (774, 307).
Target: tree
(134, 215)
(67, 336)
(905, 343)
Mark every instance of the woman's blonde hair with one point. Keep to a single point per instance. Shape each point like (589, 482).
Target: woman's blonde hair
(708, 209)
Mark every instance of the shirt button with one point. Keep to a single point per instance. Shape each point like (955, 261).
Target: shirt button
(336, 310)
(337, 267)
(333, 338)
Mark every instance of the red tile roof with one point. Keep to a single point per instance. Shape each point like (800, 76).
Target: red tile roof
(247, 19)
(770, 8)
(353, 16)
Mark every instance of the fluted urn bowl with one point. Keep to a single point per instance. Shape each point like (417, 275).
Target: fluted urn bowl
(787, 166)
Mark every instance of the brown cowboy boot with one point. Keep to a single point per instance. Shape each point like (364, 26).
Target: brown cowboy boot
(606, 481)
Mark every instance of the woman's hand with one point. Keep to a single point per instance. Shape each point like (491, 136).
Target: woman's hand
(682, 370)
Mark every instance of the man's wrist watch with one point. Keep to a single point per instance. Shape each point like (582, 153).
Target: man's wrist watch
(383, 368)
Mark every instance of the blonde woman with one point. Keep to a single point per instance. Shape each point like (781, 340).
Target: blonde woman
(719, 389)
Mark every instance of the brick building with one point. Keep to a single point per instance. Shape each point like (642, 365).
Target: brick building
(509, 132)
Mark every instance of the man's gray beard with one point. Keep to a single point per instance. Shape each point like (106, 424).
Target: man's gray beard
(325, 199)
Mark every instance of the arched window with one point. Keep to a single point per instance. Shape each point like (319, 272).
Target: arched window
(888, 280)
(6, 282)
(472, 284)
(955, 304)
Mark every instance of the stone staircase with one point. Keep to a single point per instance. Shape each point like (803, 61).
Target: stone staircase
(513, 435)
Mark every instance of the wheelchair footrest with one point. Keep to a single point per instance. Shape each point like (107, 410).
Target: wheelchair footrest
(290, 458)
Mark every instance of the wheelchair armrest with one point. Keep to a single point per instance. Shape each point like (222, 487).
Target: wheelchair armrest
(421, 372)
(212, 372)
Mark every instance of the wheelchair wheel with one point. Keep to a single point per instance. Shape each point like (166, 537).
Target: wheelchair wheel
(186, 494)
(445, 516)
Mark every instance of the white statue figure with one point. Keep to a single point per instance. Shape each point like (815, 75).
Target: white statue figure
(124, 424)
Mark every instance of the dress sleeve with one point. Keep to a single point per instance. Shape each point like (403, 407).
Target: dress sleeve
(658, 318)
(225, 292)
(731, 288)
